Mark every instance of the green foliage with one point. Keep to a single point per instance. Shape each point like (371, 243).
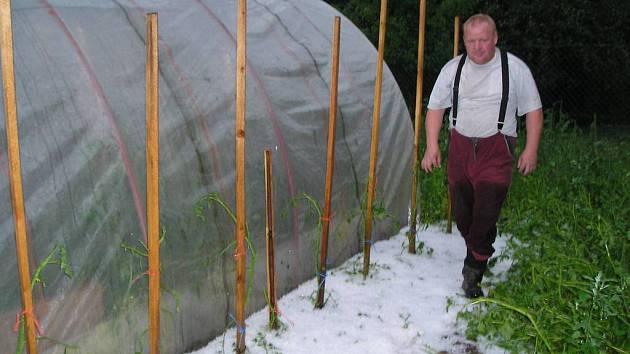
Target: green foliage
(316, 212)
(379, 214)
(432, 189)
(136, 270)
(405, 318)
(261, 341)
(57, 256)
(136, 265)
(354, 266)
(420, 249)
(379, 211)
(506, 331)
(274, 321)
(208, 201)
(569, 287)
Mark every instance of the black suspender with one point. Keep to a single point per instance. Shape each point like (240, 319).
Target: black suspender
(505, 80)
(458, 75)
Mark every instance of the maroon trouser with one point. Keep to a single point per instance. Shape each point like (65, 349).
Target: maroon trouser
(479, 175)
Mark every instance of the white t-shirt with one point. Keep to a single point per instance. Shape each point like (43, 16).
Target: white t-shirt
(480, 91)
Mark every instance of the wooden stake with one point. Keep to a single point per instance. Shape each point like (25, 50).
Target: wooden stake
(418, 128)
(449, 211)
(456, 37)
(449, 206)
(271, 263)
(330, 163)
(153, 192)
(240, 255)
(17, 195)
(374, 145)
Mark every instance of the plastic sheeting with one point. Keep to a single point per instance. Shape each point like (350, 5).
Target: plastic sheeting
(80, 77)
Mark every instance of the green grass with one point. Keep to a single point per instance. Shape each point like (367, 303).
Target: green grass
(569, 288)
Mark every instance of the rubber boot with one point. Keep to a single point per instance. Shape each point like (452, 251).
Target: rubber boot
(472, 281)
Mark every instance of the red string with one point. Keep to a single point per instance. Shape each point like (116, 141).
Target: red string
(16, 326)
(327, 218)
(277, 310)
(152, 273)
(147, 273)
(237, 255)
(25, 313)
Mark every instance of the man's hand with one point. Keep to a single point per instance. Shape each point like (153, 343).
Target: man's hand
(527, 162)
(432, 156)
(529, 157)
(431, 159)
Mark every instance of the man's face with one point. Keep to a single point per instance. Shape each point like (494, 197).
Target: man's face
(480, 41)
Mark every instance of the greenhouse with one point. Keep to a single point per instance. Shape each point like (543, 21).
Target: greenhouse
(80, 92)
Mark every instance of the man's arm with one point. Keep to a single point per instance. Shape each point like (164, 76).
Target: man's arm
(433, 125)
(529, 157)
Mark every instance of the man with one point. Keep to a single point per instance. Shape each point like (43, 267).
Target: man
(487, 93)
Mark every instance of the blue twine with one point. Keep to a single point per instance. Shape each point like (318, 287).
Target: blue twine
(323, 278)
(240, 329)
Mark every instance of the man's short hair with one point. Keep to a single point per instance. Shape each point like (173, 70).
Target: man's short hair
(480, 18)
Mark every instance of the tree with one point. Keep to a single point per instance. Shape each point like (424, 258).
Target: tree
(576, 49)
(401, 45)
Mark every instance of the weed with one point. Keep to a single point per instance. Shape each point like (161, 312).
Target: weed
(405, 317)
(205, 203)
(363, 314)
(261, 341)
(517, 310)
(354, 266)
(315, 211)
(280, 329)
(567, 289)
(57, 256)
(449, 303)
(420, 248)
(275, 323)
(137, 263)
(142, 252)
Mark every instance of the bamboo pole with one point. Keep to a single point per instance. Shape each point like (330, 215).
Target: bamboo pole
(374, 145)
(449, 206)
(330, 162)
(270, 243)
(418, 128)
(456, 37)
(17, 195)
(153, 192)
(240, 255)
(449, 211)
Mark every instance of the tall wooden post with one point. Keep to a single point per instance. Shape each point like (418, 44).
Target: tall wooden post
(456, 37)
(240, 255)
(418, 127)
(449, 206)
(153, 191)
(270, 243)
(367, 242)
(330, 163)
(17, 195)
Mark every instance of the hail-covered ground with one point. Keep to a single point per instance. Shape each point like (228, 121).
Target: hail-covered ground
(408, 304)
